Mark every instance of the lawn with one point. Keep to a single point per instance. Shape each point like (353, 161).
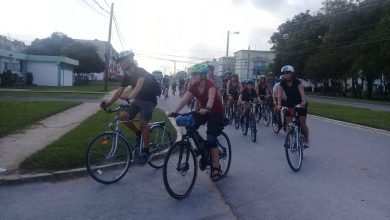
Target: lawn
(94, 89)
(15, 115)
(69, 151)
(366, 117)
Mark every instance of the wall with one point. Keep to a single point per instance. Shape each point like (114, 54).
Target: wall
(66, 75)
(44, 73)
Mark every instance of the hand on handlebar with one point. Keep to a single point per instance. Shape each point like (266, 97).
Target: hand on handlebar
(173, 114)
(104, 105)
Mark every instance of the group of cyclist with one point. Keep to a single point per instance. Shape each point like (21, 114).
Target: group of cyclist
(211, 94)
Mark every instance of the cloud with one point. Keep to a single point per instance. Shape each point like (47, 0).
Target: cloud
(262, 4)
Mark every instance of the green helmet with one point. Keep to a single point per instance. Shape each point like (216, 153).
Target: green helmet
(199, 68)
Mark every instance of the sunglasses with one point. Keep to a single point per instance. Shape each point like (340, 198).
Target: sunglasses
(284, 73)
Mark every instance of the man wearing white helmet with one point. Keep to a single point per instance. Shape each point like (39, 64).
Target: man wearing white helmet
(145, 90)
(295, 93)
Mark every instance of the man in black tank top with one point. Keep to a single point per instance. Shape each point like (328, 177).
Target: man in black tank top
(295, 93)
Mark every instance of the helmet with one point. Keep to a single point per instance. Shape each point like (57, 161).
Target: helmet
(199, 68)
(244, 81)
(262, 76)
(235, 75)
(124, 55)
(250, 81)
(287, 68)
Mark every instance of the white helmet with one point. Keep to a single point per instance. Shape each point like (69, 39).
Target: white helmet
(287, 68)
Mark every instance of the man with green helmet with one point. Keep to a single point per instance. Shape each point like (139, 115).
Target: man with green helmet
(210, 111)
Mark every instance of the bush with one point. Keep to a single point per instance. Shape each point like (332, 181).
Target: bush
(9, 79)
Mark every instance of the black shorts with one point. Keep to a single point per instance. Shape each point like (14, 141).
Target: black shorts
(215, 124)
(301, 112)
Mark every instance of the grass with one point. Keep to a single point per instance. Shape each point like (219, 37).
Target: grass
(94, 89)
(69, 151)
(16, 115)
(361, 116)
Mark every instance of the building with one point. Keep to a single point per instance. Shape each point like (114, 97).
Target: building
(101, 50)
(258, 64)
(46, 70)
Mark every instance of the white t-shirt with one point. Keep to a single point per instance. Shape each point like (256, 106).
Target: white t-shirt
(275, 92)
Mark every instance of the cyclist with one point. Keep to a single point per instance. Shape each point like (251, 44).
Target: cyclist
(210, 110)
(263, 89)
(181, 86)
(295, 93)
(225, 80)
(145, 91)
(275, 97)
(247, 95)
(271, 80)
(233, 90)
(243, 85)
(211, 76)
(174, 85)
(165, 82)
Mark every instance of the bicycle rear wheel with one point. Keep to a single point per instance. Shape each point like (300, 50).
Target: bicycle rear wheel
(160, 141)
(108, 158)
(180, 170)
(244, 126)
(237, 118)
(293, 149)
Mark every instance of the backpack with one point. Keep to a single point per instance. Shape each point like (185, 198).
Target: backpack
(155, 86)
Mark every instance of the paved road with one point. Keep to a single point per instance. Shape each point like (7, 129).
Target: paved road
(350, 102)
(345, 175)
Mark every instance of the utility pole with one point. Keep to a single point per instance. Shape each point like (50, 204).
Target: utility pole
(108, 50)
(174, 67)
(249, 57)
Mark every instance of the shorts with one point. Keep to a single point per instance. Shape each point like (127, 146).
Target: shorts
(301, 112)
(215, 126)
(144, 107)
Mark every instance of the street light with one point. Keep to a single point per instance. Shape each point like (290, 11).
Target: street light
(227, 45)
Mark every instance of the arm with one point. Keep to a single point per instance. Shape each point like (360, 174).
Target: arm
(116, 96)
(228, 87)
(269, 90)
(302, 92)
(280, 92)
(210, 102)
(187, 96)
(137, 88)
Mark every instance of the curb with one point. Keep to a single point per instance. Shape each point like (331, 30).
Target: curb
(14, 179)
(374, 130)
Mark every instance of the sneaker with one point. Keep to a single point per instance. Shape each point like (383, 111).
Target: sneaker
(202, 163)
(306, 144)
(2, 171)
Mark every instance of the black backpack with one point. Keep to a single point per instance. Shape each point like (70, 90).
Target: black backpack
(155, 86)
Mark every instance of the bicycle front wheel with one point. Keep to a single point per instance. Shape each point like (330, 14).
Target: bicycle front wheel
(293, 149)
(108, 157)
(276, 122)
(180, 170)
(160, 141)
(225, 153)
(252, 124)
(266, 116)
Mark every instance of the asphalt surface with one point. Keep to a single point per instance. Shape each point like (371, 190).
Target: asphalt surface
(345, 175)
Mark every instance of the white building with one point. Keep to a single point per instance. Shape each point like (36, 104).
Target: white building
(258, 64)
(46, 70)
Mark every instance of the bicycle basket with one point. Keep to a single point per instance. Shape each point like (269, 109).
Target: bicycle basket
(187, 121)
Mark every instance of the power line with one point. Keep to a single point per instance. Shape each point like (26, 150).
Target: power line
(117, 32)
(108, 5)
(97, 3)
(95, 9)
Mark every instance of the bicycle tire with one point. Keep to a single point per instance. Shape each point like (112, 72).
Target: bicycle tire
(225, 153)
(252, 124)
(179, 151)
(292, 145)
(244, 127)
(237, 119)
(275, 122)
(266, 116)
(102, 146)
(159, 147)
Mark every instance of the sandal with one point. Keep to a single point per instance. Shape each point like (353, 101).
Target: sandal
(216, 174)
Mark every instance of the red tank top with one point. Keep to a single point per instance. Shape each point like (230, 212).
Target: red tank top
(203, 98)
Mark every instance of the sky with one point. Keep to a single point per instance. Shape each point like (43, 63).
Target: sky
(158, 31)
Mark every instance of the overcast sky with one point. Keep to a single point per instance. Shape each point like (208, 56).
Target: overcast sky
(165, 29)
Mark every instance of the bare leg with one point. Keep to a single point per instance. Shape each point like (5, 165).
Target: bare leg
(305, 129)
(145, 133)
(126, 116)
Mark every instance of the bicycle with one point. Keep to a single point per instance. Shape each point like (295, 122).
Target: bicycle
(109, 155)
(249, 121)
(277, 123)
(264, 111)
(230, 110)
(294, 142)
(181, 159)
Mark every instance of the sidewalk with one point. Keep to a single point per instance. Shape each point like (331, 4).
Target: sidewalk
(17, 147)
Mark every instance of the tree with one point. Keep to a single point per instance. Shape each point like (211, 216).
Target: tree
(50, 46)
(89, 60)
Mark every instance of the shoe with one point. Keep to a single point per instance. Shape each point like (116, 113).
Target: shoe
(202, 163)
(306, 144)
(2, 171)
(143, 159)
